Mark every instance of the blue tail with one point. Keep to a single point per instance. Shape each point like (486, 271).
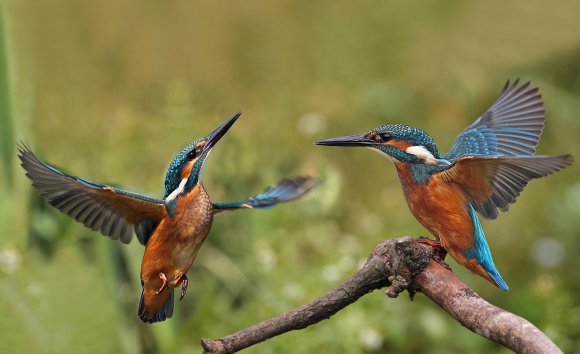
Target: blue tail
(480, 251)
(494, 274)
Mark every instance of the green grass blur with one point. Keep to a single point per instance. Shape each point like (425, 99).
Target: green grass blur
(111, 90)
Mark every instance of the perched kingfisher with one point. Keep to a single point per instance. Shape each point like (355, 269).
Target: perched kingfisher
(488, 166)
(172, 229)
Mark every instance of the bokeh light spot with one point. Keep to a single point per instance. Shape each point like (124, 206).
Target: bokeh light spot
(548, 252)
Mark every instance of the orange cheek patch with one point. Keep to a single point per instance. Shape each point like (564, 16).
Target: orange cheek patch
(372, 135)
(399, 144)
(187, 169)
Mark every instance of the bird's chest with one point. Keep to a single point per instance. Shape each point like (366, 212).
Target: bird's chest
(439, 206)
(193, 214)
(191, 224)
(177, 239)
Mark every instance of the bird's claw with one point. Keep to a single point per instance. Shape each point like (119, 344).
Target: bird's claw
(433, 243)
(164, 284)
(184, 283)
(440, 252)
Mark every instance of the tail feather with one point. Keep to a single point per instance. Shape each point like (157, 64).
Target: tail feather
(497, 279)
(478, 257)
(165, 312)
(487, 271)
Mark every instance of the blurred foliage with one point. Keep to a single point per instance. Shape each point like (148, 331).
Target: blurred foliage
(6, 130)
(112, 89)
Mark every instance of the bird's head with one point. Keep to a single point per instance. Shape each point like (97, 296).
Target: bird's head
(401, 143)
(185, 170)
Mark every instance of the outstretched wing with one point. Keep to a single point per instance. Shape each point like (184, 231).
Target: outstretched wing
(512, 126)
(286, 190)
(112, 211)
(496, 182)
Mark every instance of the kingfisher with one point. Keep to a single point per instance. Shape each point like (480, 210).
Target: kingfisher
(489, 164)
(172, 229)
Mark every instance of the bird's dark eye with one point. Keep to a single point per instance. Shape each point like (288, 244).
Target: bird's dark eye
(192, 154)
(386, 136)
(379, 137)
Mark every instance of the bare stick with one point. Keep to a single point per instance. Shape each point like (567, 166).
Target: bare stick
(452, 295)
(402, 264)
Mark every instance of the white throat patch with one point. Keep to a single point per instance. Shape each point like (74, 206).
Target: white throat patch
(177, 191)
(422, 153)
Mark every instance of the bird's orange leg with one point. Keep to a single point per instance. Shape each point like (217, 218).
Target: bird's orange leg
(433, 243)
(164, 285)
(440, 252)
(184, 282)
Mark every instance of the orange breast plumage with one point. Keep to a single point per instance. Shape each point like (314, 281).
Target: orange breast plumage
(440, 207)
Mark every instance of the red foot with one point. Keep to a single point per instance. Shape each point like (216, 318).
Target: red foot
(433, 243)
(440, 252)
(164, 285)
(184, 282)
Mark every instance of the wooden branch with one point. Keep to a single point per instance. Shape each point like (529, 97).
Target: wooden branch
(452, 295)
(402, 264)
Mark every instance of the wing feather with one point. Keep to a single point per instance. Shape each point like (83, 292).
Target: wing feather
(511, 126)
(495, 182)
(112, 211)
(286, 190)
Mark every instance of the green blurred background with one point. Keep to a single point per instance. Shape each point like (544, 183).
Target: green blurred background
(111, 90)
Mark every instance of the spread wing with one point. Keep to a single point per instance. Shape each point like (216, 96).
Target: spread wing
(286, 190)
(512, 126)
(112, 211)
(496, 182)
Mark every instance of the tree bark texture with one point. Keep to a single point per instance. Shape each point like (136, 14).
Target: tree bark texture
(401, 264)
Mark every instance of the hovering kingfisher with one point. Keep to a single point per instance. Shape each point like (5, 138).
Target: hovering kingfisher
(172, 229)
(488, 166)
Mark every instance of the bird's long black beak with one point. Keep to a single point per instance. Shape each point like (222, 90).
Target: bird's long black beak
(349, 140)
(215, 136)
